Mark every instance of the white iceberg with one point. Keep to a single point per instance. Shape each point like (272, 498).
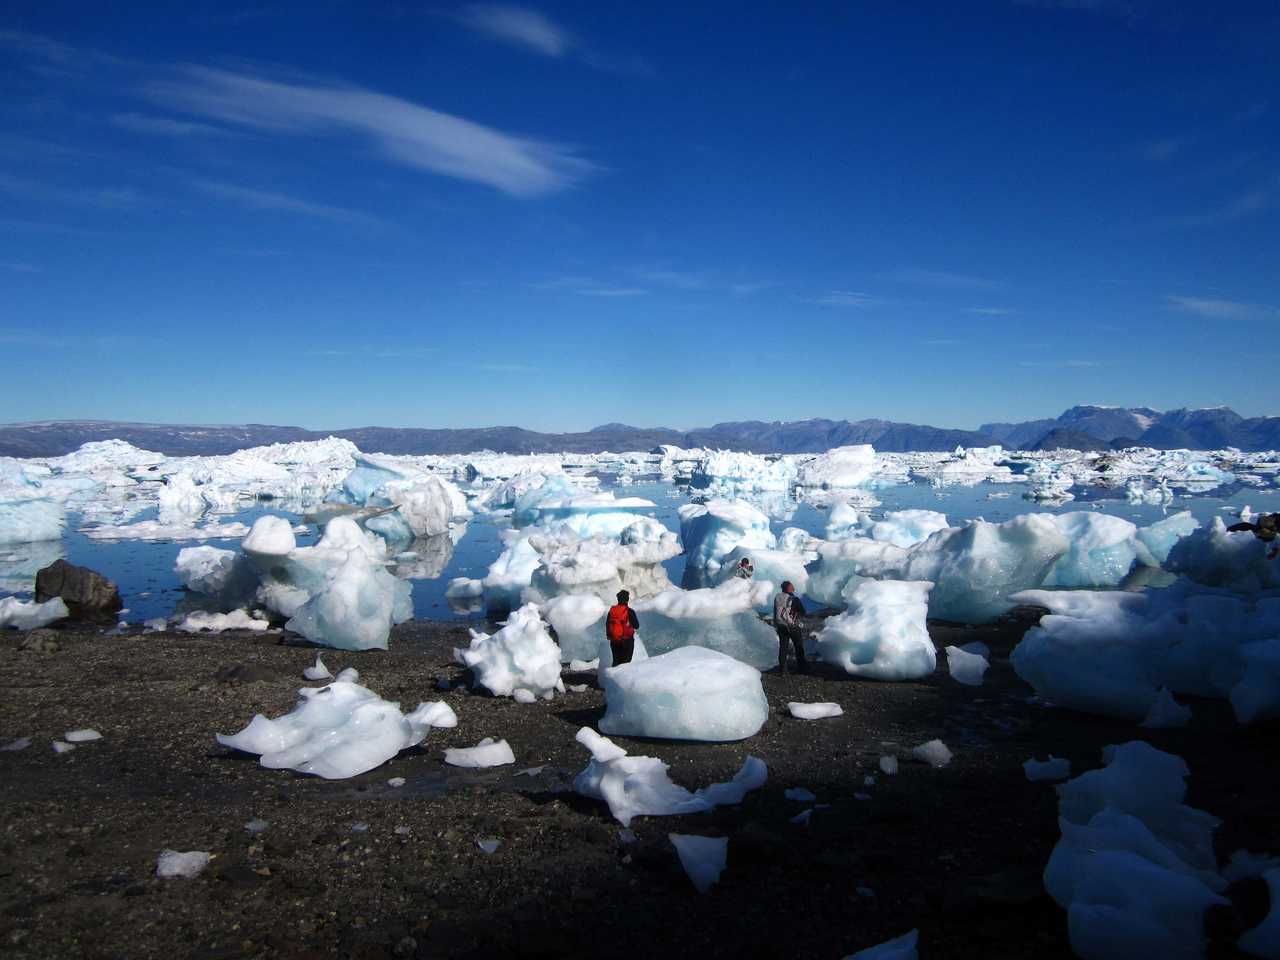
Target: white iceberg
(520, 656)
(814, 711)
(721, 619)
(487, 753)
(29, 615)
(883, 635)
(967, 668)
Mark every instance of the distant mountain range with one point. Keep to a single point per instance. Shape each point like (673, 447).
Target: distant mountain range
(1084, 427)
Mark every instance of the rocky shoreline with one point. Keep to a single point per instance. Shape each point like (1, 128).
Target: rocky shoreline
(360, 868)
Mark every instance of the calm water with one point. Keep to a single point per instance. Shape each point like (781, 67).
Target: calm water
(144, 570)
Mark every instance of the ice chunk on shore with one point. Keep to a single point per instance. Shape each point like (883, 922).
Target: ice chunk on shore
(711, 530)
(1054, 768)
(487, 753)
(703, 858)
(317, 672)
(977, 567)
(688, 694)
(1166, 712)
(200, 620)
(844, 564)
(967, 668)
(1216, 557)
(1160, 536)
(815, 711)
(934, 753)
(270, 536)
(751, 776)
(14, 745)
(888, 765)
(355, 608)
(631, 786)
(578, 622)
(721, 619)
(85, 735)
(171, 863)
(899, 948)
(216, 573)
(336, 731)
(520, 656)
(29, 615)
(883, 634)
(1101, 550)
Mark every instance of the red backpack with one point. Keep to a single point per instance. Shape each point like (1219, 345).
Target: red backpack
(618, 625)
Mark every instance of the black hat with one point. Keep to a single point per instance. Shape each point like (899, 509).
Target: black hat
(623, 596)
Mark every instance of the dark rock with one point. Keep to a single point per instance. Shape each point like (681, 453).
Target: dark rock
(88, 595)
(239, 673)
(39, 641)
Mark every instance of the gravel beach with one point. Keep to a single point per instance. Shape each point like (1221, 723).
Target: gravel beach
(359, 868)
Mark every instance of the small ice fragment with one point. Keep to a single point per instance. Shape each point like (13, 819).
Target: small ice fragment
(888, 766)
(1054, 768)
(900, 948)
(577, 688)
(627, 835)
(800, 794)
(81, 736)
(814, 711)
(934, 753)
(523, 696)
(703, 858)
(20, 744)
(1166, 712)
(486, 753)
(802, 817)
(583, 666)
(349, 675)
(317, 672)
(489, 845)
(155, 625)
(396, 782)
(256, 826)
(171, 863)
(359, 827)
(402, 831)
(862, 796)
(966, 668)
(530, 771)
(60, 747)
(868, 781)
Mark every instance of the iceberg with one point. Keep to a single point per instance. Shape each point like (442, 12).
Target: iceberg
(722, 618)
(1218, 558)
(733, 472)
(842, 565)
(26, 517)
(1160, 536)
(577, 620)
(29, 615)
(1101, 550)
(882, 635)
(520, 656)
(691, 693)
(840, 468)
(336, 731)
(965, 667)
(711, 530)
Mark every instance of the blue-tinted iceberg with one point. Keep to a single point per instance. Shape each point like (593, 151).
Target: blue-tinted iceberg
(721, 619)
(882, 636)
(711, 530)
(520, 656)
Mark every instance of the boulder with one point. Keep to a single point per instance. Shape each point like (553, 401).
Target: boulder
(88, 595)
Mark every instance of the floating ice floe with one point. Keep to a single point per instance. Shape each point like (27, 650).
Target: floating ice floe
(27, 516)
(487, 753)
(688, 694)
(882, 635)
(800, 795)
(703, 858)
(155, 530)
(639, 786)
(29, 615)
(1135, 868)
(814, 711)
(338, 731)
(733, 472)
(172, 864)
(520, 656)
(840, 468)
(1215, 557)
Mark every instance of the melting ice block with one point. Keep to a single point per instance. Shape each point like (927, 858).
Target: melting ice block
(883, 634)
(487, 753)
(711, 530)
(578, 622)
(1101, 551)
(843, 467)
(688, 694)
(217, 573)
(1166, 712)
(842, 565)
(1160, 536)
(905, 528)
(520, 656)
(172, 864)
(977, 567)
(26, 517)
(967, 668)
(934, 753)
(721, 619)
(703, 858)
(318, 671)
(336, 731)
(1216, 557)
(815, 711)
(29, 615)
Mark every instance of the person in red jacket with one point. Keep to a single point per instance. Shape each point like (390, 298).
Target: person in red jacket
(620, 627)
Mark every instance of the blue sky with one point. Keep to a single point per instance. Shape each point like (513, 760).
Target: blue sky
(558, 215)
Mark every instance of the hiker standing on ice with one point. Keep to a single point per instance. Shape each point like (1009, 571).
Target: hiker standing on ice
(787, 611)
(620, 628)
(1266, 529)
(745, 569)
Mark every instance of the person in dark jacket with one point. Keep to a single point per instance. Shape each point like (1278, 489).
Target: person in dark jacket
(620, 626)
(787, 611)
(1266, 528)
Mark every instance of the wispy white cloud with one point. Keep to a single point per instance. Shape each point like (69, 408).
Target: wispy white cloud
(506, 367)
(406, 133)
(1216, 309)
(587, 287)
(168, 126)
(941, 278)
(679, 279)
(108, 198)
(280, 202)
(847, 298)
(520, 26)
(1061, 364)
(991, 311)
